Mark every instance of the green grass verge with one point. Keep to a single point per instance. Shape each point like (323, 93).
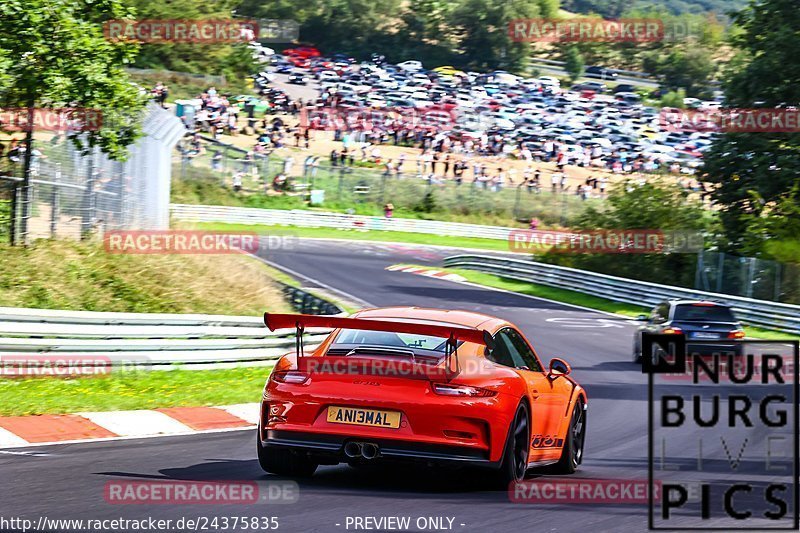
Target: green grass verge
(127, 390)
(585, 300)
(82, 276)
(355, 235)
(551, 293)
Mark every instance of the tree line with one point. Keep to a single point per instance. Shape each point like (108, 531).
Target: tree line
(53, 53)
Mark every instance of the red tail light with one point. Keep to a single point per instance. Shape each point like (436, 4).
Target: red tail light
(672, 331)
(446, 389)
(291, 376)
(736, 334)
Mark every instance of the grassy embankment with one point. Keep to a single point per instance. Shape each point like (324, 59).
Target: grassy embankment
(75, 276)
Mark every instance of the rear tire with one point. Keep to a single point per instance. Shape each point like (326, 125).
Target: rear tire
(515, 456)
(284, 462)
(572, 452)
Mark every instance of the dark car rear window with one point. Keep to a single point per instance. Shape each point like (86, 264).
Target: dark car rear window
(704, 313)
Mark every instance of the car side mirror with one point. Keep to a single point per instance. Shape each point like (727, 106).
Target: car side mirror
(642, 318)
(558, 367)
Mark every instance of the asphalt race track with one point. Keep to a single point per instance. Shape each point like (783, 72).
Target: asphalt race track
(67, 481)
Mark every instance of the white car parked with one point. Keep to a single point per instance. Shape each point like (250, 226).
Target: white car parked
(410, 66)
(549, 81)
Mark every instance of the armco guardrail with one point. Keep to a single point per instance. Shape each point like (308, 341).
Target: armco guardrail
(142, 340)
(321, 219)
(781, 317)
(307, 303)
(628, 73)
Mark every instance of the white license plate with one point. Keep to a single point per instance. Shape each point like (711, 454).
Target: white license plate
(704, 335)
(364, 417)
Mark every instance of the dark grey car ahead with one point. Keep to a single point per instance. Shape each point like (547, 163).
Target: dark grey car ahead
(697, 319)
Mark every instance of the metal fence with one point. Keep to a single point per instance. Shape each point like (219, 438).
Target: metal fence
(750, 277)
(353, 186)
(73, 193)
(632, 74)
(321, 219)
(781, 317)
(223, 160)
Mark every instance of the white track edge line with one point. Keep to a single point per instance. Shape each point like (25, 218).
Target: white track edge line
(131, 437)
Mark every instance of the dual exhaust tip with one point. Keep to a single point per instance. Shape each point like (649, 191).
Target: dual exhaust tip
(367, 450)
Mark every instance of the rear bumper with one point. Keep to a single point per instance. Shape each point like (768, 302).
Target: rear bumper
(430, 427)
(708, 348)
(332, 447)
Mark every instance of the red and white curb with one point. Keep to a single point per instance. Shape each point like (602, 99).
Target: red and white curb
(424, 271)
(21, 431)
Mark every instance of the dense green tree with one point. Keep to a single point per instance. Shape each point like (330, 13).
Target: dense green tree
(655, 205)
(211, 58)
(482, 29)
(674, 99)
(615, 8)
(62, 59)
(573, 63)
(548, 8)
(690, 67)
(755, 172)
(606, 8)
(779, 228)
(426, 32)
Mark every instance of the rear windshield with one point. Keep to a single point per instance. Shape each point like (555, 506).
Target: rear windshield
(704, 313)
(362, 337)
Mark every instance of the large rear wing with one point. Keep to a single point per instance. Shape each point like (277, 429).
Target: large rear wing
(453, 334)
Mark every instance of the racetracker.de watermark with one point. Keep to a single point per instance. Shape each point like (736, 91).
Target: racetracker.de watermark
(578, 491)
(58, 119)
(192, 242)
(353, 366)
(731, 120)
(170, 492)
(278, 30)
(578, 30)
(182, 30)
(35, 365)
(605, 241)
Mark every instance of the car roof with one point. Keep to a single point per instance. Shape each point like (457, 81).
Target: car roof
(690, 302)
(459, 317)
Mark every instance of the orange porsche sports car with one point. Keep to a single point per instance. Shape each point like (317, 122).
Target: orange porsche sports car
(423, 385)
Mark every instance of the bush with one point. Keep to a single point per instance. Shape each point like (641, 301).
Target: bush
(655, 205)
(674, 99)
(427, 205)
(5, 220)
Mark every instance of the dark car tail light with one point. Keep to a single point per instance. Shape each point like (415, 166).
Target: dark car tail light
(290, 376)
(672, 331)
(446, 389)
(736, 334)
